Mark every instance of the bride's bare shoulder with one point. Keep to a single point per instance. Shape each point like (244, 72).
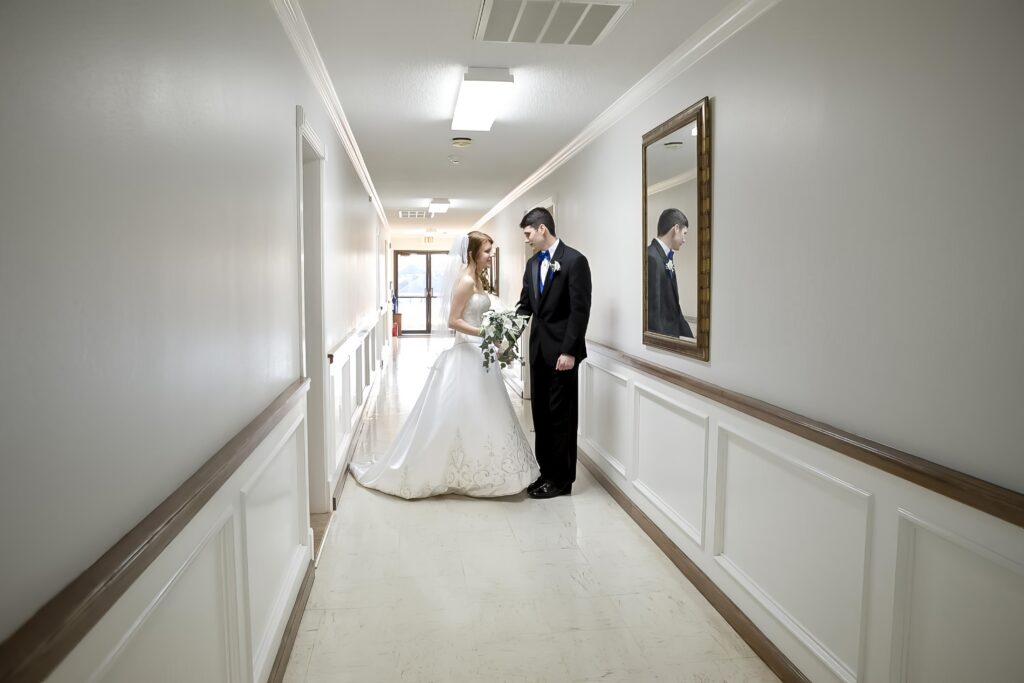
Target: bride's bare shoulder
(464, 285)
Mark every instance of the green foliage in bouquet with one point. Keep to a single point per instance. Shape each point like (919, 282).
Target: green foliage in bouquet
(501, 329)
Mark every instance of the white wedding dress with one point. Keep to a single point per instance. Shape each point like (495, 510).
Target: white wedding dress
(462, 435)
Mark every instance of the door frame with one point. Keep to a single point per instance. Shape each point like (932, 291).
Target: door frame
(429, 291)
(311, 155)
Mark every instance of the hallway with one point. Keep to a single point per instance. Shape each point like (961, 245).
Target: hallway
(512, 589)
(795, 259)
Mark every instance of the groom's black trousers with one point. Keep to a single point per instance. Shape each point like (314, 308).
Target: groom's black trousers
(555, 407)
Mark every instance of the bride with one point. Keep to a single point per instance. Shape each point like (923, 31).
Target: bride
(462, 435)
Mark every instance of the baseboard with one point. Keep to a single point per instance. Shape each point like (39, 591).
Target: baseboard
(291, 629)
(745, 628)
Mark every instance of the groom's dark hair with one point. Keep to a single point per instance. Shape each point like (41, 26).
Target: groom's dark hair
(535, 217)
(669, 219)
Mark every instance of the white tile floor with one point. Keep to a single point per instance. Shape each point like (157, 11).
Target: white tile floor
(511, 589)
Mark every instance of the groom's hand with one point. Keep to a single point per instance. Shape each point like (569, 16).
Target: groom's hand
(565, 362)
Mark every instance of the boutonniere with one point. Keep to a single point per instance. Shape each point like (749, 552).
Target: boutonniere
(670, 266)
(555, 266)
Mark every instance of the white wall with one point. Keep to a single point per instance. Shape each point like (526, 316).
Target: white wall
(350, 269)
(148, 261)
(866, 173)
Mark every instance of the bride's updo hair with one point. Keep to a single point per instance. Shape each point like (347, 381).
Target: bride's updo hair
(477, 241)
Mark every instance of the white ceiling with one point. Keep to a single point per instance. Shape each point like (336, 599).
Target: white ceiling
(397, 64)
(665, 162)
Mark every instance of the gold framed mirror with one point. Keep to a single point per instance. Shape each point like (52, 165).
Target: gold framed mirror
(677, 233)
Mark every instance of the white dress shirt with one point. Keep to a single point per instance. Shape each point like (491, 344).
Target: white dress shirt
(545, 265)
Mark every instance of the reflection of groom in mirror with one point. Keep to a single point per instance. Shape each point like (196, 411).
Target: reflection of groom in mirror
(664, 314)
(556, 293)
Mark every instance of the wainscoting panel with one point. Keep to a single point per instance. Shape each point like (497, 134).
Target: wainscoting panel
(194, 615)
(348, 399)
(368, 358)
(212, 605)
(274, 522)
(608, 410)
(961, 612)
(357, 384)
(774, 510)
(671, 456)
(356, 368)
(343, 410)
(334, 400)
(343, 400)
(852, 571)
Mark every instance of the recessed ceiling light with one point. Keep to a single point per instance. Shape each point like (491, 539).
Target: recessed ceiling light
(482, 93)
(462, 142)
(693, 131)
(454, 159)
(438, 206)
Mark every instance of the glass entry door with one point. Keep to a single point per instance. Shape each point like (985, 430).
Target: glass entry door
(438, 261)
(417, 287)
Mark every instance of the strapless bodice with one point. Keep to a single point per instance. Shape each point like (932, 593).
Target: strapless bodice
(477, 305)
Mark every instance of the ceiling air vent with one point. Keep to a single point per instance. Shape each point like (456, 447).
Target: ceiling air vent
(548, 21)
(412, 213)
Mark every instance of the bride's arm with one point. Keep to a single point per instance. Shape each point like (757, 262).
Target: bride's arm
(460, 296)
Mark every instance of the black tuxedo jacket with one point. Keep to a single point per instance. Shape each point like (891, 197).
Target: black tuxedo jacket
(664, 316)
(562, 312)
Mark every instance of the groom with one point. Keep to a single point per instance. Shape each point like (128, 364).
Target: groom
(556, 293)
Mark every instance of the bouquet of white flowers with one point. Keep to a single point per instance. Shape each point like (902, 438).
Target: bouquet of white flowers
(500, 331)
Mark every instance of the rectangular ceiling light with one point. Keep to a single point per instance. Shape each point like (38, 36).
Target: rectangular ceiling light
(438, 206)
(482, 94)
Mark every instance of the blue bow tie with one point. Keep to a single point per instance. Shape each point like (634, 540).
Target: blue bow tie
(541, 258)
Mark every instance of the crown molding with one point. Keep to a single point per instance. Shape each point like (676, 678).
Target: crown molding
(295, 26)
(709, 36)
(672, 182)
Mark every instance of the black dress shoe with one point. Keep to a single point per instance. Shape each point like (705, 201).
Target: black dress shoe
(550, 489)
(536, 485)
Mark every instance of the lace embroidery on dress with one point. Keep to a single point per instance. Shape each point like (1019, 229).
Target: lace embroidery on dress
(519, 455)
(488, 471)
(424, 491)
